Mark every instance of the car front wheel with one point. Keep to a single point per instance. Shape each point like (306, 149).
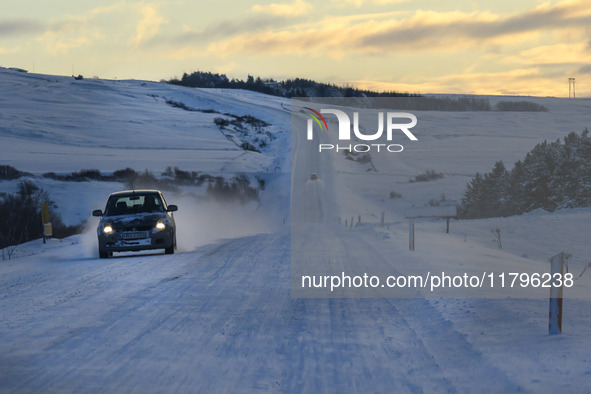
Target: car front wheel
(172, 248)
(104, 255)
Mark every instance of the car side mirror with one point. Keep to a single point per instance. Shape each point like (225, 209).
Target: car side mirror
(97, 212)
(172, 208)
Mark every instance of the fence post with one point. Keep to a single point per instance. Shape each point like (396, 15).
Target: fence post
(412, 213)
(411, 234)
(555, 316)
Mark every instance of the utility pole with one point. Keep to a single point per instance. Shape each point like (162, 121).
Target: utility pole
(571, 88)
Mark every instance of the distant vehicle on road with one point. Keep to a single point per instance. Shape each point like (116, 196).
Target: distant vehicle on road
(136, 220)
(313, 176)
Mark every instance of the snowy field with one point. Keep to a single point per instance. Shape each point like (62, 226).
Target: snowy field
(219, 316)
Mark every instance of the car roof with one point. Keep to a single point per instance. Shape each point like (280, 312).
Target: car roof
(125, 193)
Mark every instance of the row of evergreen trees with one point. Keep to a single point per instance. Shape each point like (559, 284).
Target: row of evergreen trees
(553, 175)
(298, 87)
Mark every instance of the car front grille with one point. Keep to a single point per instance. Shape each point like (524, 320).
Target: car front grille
(135, 228)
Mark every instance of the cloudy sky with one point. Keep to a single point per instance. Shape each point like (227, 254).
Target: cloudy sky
(524, 47)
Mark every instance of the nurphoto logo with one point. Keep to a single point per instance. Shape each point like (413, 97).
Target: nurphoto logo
(391, 119)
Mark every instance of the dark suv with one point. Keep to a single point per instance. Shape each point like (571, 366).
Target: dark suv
(136, 220)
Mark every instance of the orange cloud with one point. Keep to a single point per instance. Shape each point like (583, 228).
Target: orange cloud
(6, 51)
(359, 3)
(531, 82)
(67, 36)
(297, 8)
(148, 26)
(423, 31)
(559, 53)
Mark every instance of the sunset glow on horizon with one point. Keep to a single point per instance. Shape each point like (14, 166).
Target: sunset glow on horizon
(460, 47)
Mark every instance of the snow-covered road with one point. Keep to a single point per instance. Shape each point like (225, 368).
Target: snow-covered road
(220, 319)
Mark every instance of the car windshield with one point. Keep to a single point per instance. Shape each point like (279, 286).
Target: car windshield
(132, 204)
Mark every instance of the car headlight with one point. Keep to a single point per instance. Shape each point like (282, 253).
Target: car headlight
(160, 226)
(107, 229)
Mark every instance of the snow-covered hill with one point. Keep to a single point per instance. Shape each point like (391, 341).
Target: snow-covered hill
(52, 123)
(218, 315)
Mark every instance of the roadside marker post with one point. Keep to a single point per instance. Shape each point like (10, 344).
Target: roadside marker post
(411, 234)
(47, 229)
(556, 292)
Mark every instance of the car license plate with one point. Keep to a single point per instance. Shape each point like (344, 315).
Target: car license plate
(134, 235)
